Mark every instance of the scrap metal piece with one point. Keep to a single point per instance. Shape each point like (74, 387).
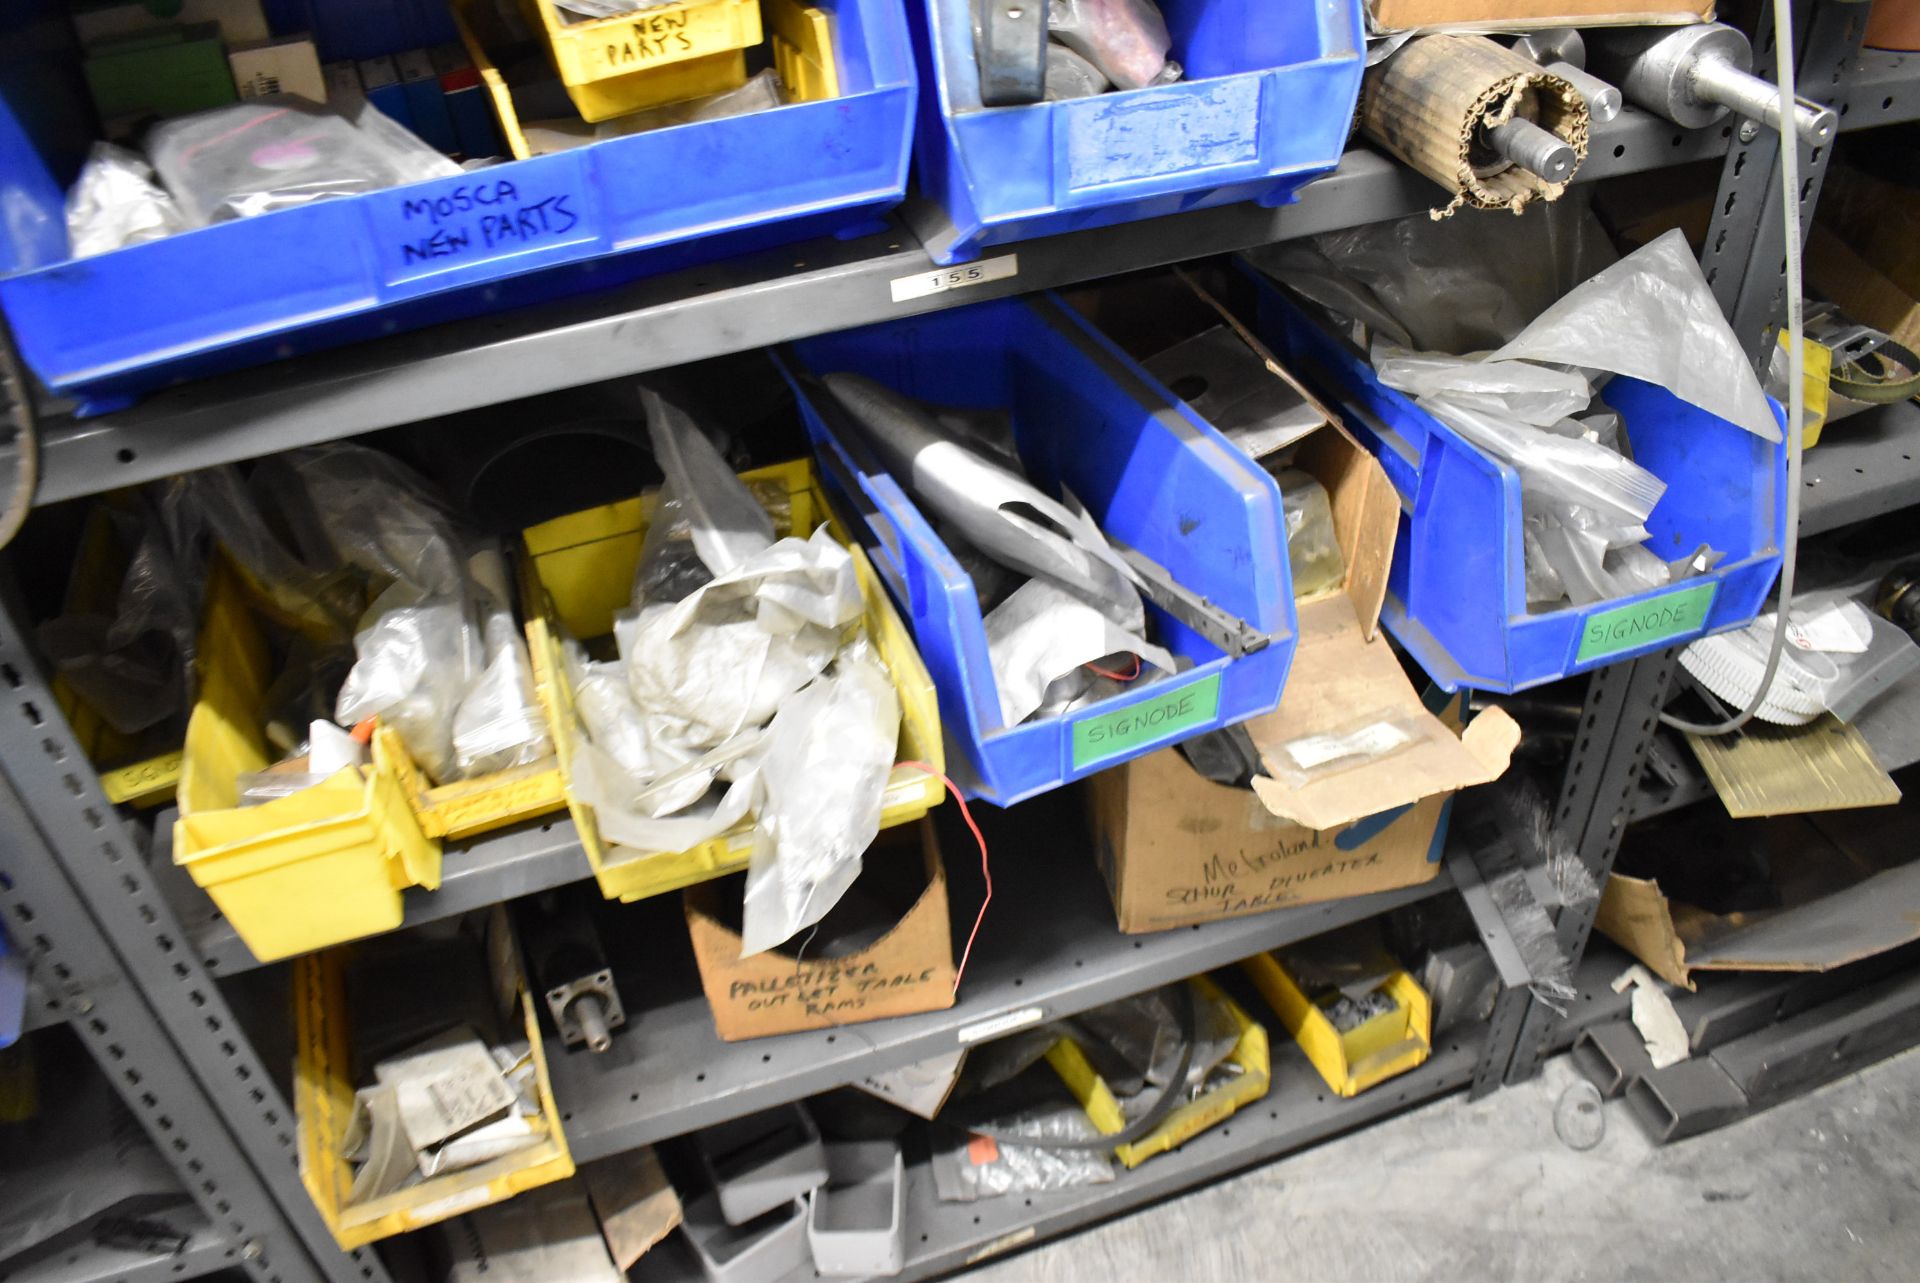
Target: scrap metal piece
(1684, 1100)
(1229, 632)
(1612, 1057)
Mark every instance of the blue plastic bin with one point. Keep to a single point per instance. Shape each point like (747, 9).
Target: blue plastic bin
(13, 992)
(107, 328)
(1156, 477)
(1268, 96)
(1457, 591)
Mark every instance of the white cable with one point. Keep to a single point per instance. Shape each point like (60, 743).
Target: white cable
(1796, 372)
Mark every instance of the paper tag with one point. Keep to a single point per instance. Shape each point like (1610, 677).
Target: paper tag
(1645, 623)
(1371, 740)
(1106, 736)
(1000, 1025)
(1836, 627)
(943, 279)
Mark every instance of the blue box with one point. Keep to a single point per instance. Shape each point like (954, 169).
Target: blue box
(218, 298)
(1457, 590)
(1266, 105)
(425, 102)
(1157, 478)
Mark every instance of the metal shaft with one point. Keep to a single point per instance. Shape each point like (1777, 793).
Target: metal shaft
(591, 1011)
(1534, 149)
(1603, 100)
(1719, 80)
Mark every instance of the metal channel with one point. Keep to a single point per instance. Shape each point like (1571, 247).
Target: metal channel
(141, 956)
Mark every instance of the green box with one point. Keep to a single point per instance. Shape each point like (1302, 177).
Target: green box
(1641, 623)
(169, 71)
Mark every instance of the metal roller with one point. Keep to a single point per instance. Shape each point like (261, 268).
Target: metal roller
(1563, 53)
(1695, 75)
(1534, 149)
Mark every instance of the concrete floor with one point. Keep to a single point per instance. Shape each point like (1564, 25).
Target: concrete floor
(1823, 1187)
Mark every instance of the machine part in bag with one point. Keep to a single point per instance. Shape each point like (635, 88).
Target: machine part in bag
(1001, 513)
(569, 966)
(1437, 104)
(1694, 75)
(1126, 39)
(1071, 76)
(1563, 52)
(1010, 43)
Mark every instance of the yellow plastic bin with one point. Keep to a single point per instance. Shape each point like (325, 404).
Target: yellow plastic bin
(466, 807)
(1391, 1043)
(1186, 1121)
(129, 772)
(323, 1101)
(612, 66)
(581, 573)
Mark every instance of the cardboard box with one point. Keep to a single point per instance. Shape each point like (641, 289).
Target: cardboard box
(286, 66)
(1520, 15)
(1178, 849)
(905, 971)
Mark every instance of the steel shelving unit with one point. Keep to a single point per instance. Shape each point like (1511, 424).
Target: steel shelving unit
(131, 958)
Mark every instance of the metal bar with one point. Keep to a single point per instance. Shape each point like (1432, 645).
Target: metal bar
(1612, 1057)
(1684, 1100)
(755, 301)
(146, 959)
(1827, 1042)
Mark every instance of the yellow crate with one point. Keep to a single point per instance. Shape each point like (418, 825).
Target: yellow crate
(581, 572)
(126, 775)
(323, 1101)
(1391, 1043)
(1188, 1120)
(466, 807)
(803, 50)
(612, 66)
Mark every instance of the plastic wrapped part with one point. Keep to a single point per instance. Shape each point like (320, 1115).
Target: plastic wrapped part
(1071, 76)
(977, 1167)
(1569, 469)
(1360, 741)
(499, 724)
(380, 518)
(1652, 316)
(1042, 633)
(1544, 589)
(277, 151)
(762, 92)
(1126, 40)
(1313, 552)
(412, 668)
(1838, 659)
(1458, 285)
(728, 527)
(319, 601)
(115, 202)
(824, 769)
(1532, 394)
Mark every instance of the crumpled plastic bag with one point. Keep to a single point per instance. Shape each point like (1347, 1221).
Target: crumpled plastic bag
(824, 767)
(380, 518)
(116, 202)
(1652, 316)
(1534, 394)
(1126, 39)
(413, 663)
(1042, 633)
(499, 724)
(1570, 469)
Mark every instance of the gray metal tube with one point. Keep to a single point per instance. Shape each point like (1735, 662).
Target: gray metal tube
(590, 1010)
(1719, 80)
(1534, 149)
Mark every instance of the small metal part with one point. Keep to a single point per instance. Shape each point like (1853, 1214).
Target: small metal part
(1536, 150)
(587, 1010)
(1229, 632)
(566, 960)
(1694, 75)
(1010, 46)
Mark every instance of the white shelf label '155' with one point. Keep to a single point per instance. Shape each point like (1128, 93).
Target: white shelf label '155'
(943, 279)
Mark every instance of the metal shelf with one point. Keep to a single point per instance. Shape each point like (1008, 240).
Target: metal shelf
(1297, 1111)
(1049, 948)
(206, 1252)
(728, 307)
(1864, 466)
(480, 871)
(1876, 88)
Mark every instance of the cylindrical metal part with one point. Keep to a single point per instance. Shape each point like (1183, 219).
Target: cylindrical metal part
(1719, 81)
(1534, 149)
(1603, 100)
(1555, 44)
(591, 1011)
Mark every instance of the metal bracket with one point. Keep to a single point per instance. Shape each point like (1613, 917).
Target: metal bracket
(1229, 632)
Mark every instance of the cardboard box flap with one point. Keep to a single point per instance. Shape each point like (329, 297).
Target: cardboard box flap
(1338, 676)
(1636, 915)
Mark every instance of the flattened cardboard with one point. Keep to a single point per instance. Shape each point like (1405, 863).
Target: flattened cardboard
(906, 971)
(636, 1203)
(1178, 849)
(1337, 674)
(1520, 15)
(1846, 900)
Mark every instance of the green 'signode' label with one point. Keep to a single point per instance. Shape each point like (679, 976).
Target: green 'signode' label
(1109, 735)
(1644, 622)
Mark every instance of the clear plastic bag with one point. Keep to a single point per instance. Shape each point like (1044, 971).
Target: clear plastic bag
(1570, 469)
(1126, 40)
(1652, 316)
(971, 1168)
(277, 151)
(1532, 394)
(413, 664)
(1364, 739)
(116, 202)
(727, 526)
(499, 725)
(824, 768)
(1071, 76)
(1313, 552)
(381, 518)
(1042, 633)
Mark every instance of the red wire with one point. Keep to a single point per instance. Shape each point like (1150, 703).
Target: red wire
(986, 874)
(1116, 677)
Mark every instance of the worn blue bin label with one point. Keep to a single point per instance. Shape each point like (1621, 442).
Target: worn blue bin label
(437, 227)
(1642, 623)
(1172, 129)
(1111, 735)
